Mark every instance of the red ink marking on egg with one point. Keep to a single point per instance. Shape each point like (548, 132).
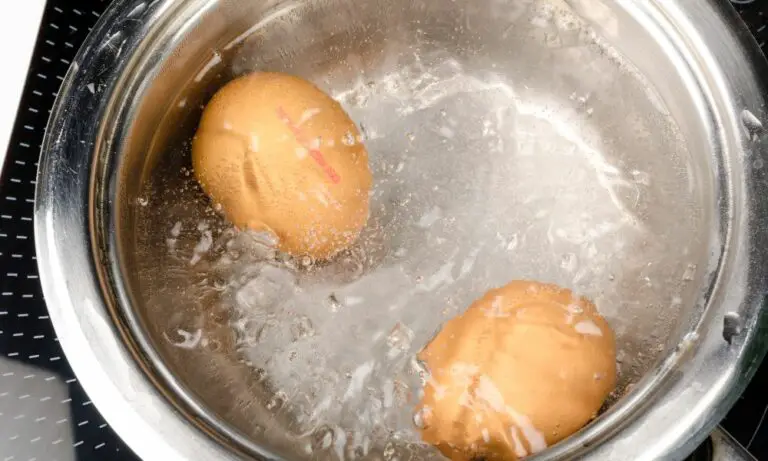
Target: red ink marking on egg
(315, 153)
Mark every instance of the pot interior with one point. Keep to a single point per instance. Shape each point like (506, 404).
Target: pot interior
(508, 140)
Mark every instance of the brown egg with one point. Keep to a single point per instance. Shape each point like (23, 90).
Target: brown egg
(279, 155)
(525, 366)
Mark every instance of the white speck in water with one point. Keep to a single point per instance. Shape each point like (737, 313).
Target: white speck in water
(690, 271)
(486, 435)
(469, 262)
(227, 126)
(399, 340)
(513, 242)
(400, 167)
(641, 177)
(254, 143)
(301, 152)
(142, 201)
(569, 262)
(91, 87)
(487, 124)
(190, 341)
(326, 440)
(176, 229)
(420, 416)
(429, 218)
(183, 103)
(202, 247)
(340, 441)
(446, 132)
(588, 327)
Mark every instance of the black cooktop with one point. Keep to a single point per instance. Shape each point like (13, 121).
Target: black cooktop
(44, 413)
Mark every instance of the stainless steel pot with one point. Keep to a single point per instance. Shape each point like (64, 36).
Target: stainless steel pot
(615, 147)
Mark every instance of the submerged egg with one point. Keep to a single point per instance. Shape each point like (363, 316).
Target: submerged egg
(262, 152)
(525, 366)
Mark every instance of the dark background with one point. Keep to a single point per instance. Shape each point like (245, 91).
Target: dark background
(25, 331)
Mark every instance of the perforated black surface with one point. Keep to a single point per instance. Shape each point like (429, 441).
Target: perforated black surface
(26, 334)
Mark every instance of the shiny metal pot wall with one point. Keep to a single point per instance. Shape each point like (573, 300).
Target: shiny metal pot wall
(615, 147)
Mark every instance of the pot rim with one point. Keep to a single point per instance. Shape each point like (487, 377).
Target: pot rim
(102, 353)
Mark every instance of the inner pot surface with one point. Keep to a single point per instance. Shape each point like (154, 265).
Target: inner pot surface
(565, 142)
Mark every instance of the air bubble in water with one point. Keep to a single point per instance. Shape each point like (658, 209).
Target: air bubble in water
(322, 438)
(420, 369)
(421, 417)
(569, 262)
(213, 345)
(641, 177)
(333, 303)
(302, 328)
(513, 242)
(389, 451)
(690, 271)
(399, 340)
(277, 401)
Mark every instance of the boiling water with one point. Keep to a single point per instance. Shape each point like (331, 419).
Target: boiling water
(482, 176)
